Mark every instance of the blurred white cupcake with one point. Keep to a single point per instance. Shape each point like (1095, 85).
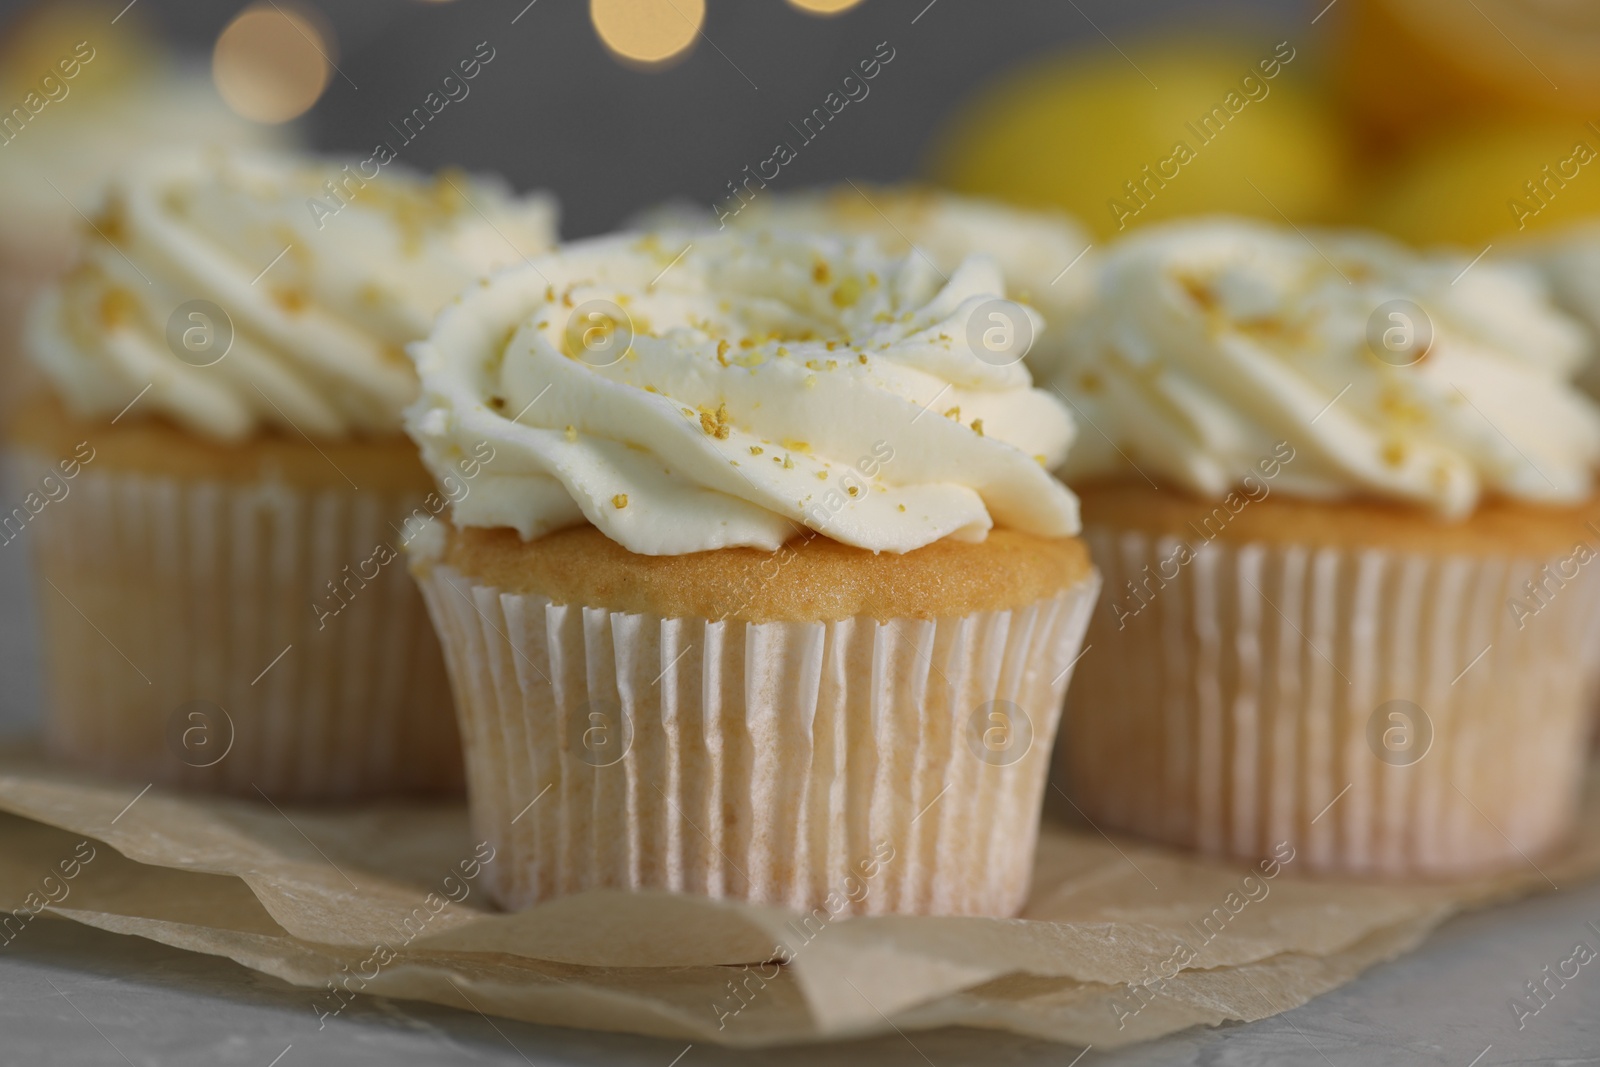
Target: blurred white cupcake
(1343, 496)
(1569, 263)
(76, 103)
(226, 392)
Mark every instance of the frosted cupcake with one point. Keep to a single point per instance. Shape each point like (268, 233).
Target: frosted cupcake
(1342, 497)
(768, 594)
(1569, 263)
(79, 103)
(220, 479)
(1045, 257)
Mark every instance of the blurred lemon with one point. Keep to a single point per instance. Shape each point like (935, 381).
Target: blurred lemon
(1193, 128)
(1473, 185)
(1407, 65)
(72, 35)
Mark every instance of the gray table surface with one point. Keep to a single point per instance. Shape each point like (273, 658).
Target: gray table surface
(73, 995)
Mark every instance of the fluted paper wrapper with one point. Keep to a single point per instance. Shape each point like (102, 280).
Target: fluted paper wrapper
(185, 645)
(389, 900)
(892, 766)
(1390, 712)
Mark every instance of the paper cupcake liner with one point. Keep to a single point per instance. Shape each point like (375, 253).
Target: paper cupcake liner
(857, 766)
(1248, 703)
(23, 273)
(184, 645)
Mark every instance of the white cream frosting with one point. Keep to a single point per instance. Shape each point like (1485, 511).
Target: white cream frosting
(322, 299)
(66, 153)
(774, 382)
(1569, 263)
(1045, 257)
(1213, 340)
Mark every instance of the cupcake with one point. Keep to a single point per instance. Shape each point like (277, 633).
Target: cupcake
(218, 477)
(79, 102)
(1342, 497)
(769, 594)
(1044, 256)
(1569, 263)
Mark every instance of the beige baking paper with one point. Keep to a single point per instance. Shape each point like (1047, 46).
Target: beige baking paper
(343, 896)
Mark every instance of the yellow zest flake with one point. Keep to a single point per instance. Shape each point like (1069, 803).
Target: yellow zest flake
(688, 413)
(819, 273)
(651, 389)
(822, 476)
(110, 221)
(722, 352)
(1040, 460)
(977, 427)
(812, 364)
(756, 450)
(715, 423)
(796, 446)
(782, 352)
(566, 297)
(750, 360)
(549, 294)
(292, 301)
(862, 358)
(811, 381)
(832, 345)
(619, 501)
(747, 342)
(853, 490)
(833, 364)
(954, 413)
(1394, 453)
(902, 507)
(788, 464)
(571, 433)
(118, 307)
(846, 293)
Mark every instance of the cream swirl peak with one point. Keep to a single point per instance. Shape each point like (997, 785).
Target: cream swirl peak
(1392, 374)
(210, 283)
(697, 391)
(1042, 255)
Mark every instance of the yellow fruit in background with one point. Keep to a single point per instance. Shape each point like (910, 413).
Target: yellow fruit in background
(1411, 66)
(35, 44)
(1473, 185)
(1220, 130)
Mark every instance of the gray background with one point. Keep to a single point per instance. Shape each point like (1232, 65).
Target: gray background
(554, 110)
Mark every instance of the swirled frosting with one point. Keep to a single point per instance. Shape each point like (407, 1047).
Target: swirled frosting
(1213, 340)
(251, 291)
(1045, 257)
(1569, 263)
(687, 392)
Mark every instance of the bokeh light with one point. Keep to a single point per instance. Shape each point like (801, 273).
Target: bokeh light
(271, 64)
(824, 7)
(647, 31)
